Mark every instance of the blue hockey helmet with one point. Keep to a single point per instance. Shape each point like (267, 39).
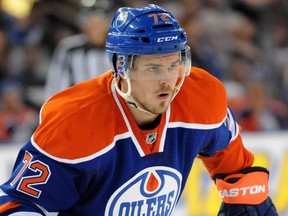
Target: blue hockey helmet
(147, 30)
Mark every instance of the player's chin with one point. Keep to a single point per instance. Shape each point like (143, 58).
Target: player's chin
(161, 108)
(158, 111)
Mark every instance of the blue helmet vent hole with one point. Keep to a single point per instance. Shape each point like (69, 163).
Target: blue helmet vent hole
(162, 26)
(141, 31)
(145, 40)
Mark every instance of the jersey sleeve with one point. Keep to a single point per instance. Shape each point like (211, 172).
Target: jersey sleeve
(40, 184)
(226, 152)
(10, 205)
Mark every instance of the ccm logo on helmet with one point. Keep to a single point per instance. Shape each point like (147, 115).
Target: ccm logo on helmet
(165, 39)
(234, 192)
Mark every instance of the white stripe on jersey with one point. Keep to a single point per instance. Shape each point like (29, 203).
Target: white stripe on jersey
(229, 119)
(195, 125)
(83, 159)
(233, 126)
(26, 214)
(2, 193)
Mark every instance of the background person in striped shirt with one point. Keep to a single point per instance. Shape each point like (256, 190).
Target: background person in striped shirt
(80, 57)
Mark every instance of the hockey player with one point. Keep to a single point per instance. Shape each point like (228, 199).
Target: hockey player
(124, 143)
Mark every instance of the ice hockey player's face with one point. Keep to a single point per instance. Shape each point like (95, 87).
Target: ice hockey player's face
(153, 80)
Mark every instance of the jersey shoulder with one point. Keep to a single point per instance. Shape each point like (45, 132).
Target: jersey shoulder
(76, 122)
(202, 98)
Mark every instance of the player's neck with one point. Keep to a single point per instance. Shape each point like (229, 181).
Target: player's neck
(141, 118)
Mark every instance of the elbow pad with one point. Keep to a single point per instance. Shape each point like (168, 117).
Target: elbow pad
(245, 193)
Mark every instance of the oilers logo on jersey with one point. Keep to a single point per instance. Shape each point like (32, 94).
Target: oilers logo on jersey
(153, 191)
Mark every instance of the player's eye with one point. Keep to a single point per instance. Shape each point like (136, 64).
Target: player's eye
(154, 69)
(173, 67)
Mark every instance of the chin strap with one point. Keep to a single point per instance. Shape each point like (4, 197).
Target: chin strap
(127, 96)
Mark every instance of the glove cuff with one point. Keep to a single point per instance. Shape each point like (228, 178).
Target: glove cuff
(245, 187)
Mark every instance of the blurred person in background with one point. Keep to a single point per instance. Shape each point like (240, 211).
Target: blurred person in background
(258, 114)
(278, 53)
(249, 97)
(271, 36)
(80, 57)
(204, 25)
(17, 119)
(3, 54)
(30, 40)
(6, 23)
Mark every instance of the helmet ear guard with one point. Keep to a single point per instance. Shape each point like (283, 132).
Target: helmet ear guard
(123, 64)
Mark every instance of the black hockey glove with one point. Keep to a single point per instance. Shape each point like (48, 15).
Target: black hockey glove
(245, 193)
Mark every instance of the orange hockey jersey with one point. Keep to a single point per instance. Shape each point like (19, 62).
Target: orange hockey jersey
(88, 157)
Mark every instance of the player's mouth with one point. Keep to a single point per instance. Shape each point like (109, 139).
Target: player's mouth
(163, 96)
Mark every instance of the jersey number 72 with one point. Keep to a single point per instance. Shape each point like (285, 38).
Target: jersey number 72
(25, 183)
